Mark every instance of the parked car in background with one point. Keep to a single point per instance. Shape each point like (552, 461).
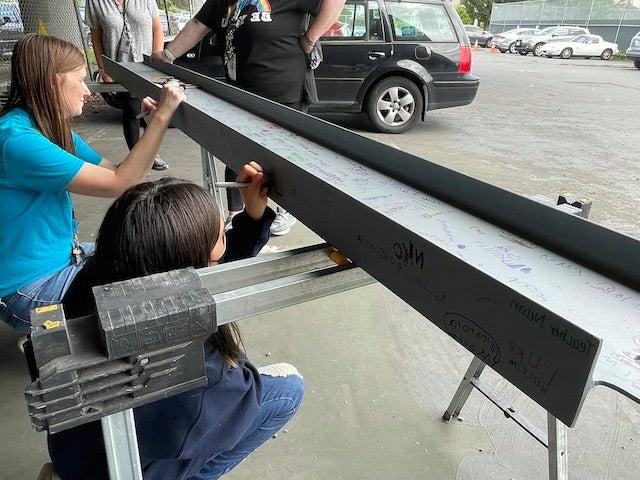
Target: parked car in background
(534, 43)
(506, 41)
(633, 52)
(394, 60)
(476, 34)
(11, 28)
(581, 46)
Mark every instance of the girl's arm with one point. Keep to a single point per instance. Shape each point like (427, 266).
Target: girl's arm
(98, 181)
(191, 34)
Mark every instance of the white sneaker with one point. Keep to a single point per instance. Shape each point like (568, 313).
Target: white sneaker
(48, 473)
(282, 223)
(21, 341)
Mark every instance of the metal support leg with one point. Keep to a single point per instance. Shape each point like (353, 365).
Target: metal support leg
(557, 435)
(210, 177)
(121, 446)
(465, 388)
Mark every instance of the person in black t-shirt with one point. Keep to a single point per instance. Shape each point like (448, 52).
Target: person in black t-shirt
(265, 52)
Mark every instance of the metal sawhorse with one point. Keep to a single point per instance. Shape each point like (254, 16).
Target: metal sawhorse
(555, 438)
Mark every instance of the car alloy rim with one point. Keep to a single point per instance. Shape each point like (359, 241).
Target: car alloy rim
(395, 106)
(538, 50)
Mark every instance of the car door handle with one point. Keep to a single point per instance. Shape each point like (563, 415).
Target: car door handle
(376, 55)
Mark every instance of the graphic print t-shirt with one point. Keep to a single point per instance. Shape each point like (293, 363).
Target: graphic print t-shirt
(269, 60)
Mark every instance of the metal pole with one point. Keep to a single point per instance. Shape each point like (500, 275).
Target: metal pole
(540, 17)
(624, 11)
(590, 12)
(83, 38)
(166, 13)
(564, 12)
(121, 446)
(557, 437)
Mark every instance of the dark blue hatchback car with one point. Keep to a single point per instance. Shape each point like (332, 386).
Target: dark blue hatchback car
(395, 60)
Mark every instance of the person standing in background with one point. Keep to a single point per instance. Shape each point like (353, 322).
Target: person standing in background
(125, 30)
(267, 47)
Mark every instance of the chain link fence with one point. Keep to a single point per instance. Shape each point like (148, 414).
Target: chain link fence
(65, 19)
(614, 20)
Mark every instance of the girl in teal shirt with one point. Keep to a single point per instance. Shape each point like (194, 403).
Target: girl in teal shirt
(42, 161)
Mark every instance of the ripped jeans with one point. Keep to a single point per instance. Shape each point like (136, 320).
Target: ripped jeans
(282, 393)
(15, 308)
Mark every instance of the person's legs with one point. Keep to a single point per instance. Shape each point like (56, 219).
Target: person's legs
(131, 127)
(130, 124)
(15, 309)
(282, 391)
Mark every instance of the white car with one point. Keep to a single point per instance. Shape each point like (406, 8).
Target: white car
(581, 46)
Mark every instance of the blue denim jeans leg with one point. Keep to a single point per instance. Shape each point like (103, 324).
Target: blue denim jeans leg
(15, 309)
(282, 394)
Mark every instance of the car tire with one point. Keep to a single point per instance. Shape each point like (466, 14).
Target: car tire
(607, 54)
(523, 52)
(566, 53)
(487, 44)
(512, 48)
(537, 50)
(384, 105)
(636, 63)
(549, 56)
(502, 50)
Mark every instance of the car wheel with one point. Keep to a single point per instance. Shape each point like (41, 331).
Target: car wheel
(502, 50)
(523, 52)
(512, 48)
(606, 55)
(537, 50)
(488, 43)
(566, 53)
(394, 105)
(636, 63)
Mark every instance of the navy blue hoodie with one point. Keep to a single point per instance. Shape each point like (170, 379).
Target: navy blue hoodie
(177, 435)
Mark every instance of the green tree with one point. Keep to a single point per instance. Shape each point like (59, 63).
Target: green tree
(464, 15)
(481, 10)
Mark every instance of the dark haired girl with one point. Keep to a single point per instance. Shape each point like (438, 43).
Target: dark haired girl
(201, 434)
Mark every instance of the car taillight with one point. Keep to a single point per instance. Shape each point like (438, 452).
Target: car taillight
(465, 59)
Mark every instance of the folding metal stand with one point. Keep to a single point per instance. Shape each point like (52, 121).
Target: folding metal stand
(145, 343)
(555, 439)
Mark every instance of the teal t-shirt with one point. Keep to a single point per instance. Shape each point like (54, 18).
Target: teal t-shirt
(36, 220)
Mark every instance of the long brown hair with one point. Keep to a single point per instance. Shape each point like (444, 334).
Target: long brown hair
(35, 62)
(156, 227)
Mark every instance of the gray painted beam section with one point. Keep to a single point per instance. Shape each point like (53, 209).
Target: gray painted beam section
(614, 254)
(531, 315)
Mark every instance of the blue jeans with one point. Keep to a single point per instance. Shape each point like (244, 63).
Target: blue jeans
(15, 309)
(282, 391)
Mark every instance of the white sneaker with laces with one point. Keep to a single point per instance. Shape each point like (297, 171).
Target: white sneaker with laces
(48, 473)
(282, 223)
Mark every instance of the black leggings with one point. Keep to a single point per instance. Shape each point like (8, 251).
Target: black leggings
(130, 124)
(234, 197)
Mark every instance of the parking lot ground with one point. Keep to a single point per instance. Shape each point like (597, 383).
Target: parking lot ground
(378, 375)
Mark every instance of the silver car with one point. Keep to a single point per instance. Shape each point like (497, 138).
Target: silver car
(506, 41)
(534, 43)
(633, 52)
